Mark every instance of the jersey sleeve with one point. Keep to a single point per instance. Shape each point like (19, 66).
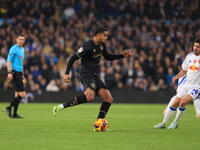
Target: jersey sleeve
(185, 64)
(11, 54)
(105, 51)
(83, 50)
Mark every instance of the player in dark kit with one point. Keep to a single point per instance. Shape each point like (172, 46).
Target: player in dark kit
(15, 69)
(90, 54)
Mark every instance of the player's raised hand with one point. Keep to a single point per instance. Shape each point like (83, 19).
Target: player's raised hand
(127, 53)
(66, 78)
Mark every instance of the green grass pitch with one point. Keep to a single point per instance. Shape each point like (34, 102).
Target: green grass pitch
(72, 129)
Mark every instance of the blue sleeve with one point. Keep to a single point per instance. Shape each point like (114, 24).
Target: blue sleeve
(11, 54)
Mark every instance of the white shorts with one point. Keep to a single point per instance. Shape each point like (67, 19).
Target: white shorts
(194, 93)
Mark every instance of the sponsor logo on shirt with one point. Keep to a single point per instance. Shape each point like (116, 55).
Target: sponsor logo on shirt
(98, 55)
(20, 57)
(193, 68)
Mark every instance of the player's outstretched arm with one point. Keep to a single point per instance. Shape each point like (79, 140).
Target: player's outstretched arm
(114, 56)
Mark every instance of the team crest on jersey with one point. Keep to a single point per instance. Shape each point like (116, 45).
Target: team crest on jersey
(101, 47)
(80, 50)
(20, 57)
(94, 50)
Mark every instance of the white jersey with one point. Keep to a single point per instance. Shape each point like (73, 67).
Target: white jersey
(180, 82)
(192, 66)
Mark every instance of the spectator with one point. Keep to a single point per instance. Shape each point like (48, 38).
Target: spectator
(69, 12)
(2, 62)
(169, 77)
(58, 29)
(161, 86)
(109, 78)
(54, 74)
(33, 60)
(52, 87)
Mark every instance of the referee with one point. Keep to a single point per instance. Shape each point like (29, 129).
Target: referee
(15, 74)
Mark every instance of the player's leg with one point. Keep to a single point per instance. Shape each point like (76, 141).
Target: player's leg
(89, 87)
(86, 97)
(20, 92)
(170, 112)
(15, 82)
(197, 107)
(169, 104)
(192, 94)
(18, 96)
(105, 95)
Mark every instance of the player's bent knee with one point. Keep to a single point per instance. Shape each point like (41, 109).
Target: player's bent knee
(89, 95)
(183, 104)
(175, 104)
(90, 98)
(109, 100)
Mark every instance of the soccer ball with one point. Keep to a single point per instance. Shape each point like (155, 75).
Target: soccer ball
(100, 125)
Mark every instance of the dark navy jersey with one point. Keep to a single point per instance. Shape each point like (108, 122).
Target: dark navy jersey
(90, 55)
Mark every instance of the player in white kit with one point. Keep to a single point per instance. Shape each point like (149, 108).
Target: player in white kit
(190, 89)
(196, 101)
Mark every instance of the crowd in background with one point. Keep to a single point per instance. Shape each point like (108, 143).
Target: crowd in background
(160, 34)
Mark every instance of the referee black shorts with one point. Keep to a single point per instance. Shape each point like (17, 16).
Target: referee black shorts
(17, 81)
(92, 83)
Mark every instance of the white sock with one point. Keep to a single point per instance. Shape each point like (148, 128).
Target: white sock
(170, 102)
(170, 112)
(61, 106)
(197, 106)
(179, 114)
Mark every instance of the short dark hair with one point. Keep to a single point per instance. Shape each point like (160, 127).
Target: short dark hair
(100, 30)
(20, 34)
(197, 40)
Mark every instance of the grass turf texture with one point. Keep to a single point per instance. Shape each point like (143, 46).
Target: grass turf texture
(72, 129)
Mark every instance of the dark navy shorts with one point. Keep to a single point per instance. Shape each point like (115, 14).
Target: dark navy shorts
(17, 81)
(93, 83)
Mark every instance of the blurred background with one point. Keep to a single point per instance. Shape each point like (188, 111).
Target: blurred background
(160, 34)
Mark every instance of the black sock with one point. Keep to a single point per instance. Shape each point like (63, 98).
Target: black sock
(104, 109)
(15, 101)
(17, 104)
(76, 101)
